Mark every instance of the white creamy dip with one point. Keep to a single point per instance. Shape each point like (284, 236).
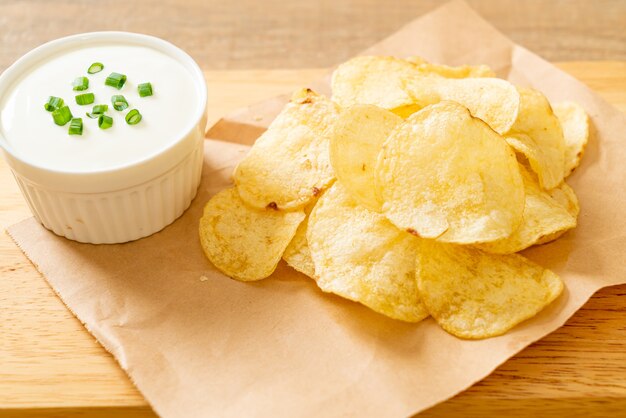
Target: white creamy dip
(167, 115)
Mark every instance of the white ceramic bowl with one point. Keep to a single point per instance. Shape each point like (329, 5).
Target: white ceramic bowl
(121, 204)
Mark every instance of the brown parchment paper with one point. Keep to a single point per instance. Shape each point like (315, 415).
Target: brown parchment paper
(197, 343)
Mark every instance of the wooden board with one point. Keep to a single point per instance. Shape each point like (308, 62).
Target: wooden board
(51, 367)
(247, 34)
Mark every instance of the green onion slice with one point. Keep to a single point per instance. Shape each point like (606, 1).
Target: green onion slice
(145, 89)
(76, 127)
(62, 115)
(53, 103)
(85, 99)
(133, 117)
(80, 84)
(96, 67)
(119, 102)
(97, 111)
(105, 122)
(116, 80)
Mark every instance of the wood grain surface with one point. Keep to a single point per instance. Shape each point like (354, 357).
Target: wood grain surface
(51, 367)
(242, 34)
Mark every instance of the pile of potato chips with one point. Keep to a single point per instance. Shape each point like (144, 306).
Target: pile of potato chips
(409, 191)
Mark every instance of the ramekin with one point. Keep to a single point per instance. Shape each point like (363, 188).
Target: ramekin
(121, 204)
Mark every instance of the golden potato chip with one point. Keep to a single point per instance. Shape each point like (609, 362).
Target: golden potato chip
(355, 143)
(493, 100)
(399, 86)
(359, 255)
(565, 196)
(575, 124)
(405, 111)
(297, 254)
(537, 134)
(445, 174)
(474, 294)
(288, 166)
(244, 242)
(463, 71)
(544, 218)
(375, 80)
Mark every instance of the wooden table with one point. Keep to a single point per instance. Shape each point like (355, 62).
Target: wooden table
(51, 367)
(244, 34)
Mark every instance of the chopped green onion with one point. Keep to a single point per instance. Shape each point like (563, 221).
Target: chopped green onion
(119, 102)
(116, 80)
(97, 111)
(105, 122)
(76, 127)
(62, 115)
(96, 67)
(85, 99)
(80, 84)
(133, 117)
(53, 103)
(145, 89)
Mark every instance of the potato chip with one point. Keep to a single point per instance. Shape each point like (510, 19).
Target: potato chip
(463, 71)
(288, 166)
(297, 254)
(355, 143)
(474, 294)
(375, 80)
(565, 196)
(493, 100)
(360, 256)
(243, 242)
(545, 218)
(445, 174)
(575, 124)
(537, 134)
(399, 86)
(406, 111)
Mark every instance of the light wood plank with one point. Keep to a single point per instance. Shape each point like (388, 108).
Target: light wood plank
(51, 367)
(247, 34)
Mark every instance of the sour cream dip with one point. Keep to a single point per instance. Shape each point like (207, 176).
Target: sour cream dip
(137, 178)
(34, 137)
